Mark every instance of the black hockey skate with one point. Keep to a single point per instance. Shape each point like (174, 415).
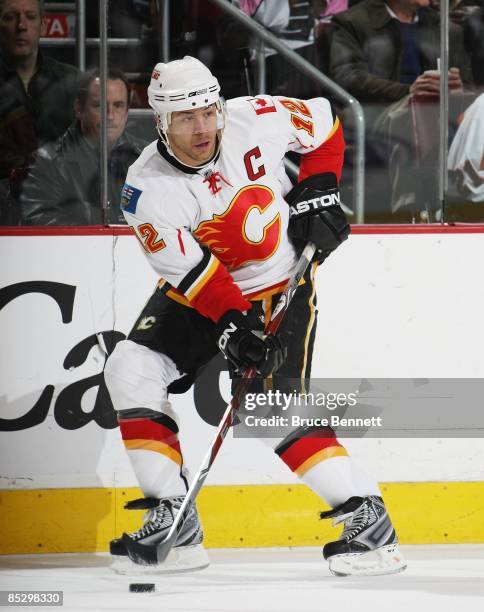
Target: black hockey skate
(140, 547)
(368, 545)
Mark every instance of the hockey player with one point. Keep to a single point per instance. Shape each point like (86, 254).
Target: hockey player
(215, 213)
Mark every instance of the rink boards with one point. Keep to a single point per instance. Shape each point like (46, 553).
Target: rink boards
(400, 305)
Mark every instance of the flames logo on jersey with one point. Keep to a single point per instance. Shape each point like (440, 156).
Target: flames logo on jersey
(247, 231)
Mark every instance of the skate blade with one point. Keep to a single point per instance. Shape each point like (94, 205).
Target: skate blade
(181, 559)
(385, 560)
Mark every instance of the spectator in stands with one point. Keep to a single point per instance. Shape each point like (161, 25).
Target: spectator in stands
(63, 187)
(36, 92)
(466, 166)
(381, 53)
(380, 50)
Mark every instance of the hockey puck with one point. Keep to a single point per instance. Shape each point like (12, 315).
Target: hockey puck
(141, 587)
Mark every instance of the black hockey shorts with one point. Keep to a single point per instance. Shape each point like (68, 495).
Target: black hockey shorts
(189, 339)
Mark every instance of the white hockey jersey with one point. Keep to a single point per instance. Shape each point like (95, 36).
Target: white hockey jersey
(195, 225)
(466, 154)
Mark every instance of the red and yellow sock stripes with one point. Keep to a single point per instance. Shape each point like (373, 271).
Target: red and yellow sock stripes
(152, 435)
(302, 453)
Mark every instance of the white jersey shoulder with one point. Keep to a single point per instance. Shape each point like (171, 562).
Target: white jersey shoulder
(301, 125)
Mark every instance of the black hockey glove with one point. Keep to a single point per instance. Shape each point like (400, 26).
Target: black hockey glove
(243, 347)
(316, 214)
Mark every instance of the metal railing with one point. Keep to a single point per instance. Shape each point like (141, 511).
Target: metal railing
(81, 34)
(103, 78)
(164, 27)
(80, 41)
(90, 42)
(443, 102)
(265, 37)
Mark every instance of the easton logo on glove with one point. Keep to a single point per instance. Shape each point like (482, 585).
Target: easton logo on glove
(316, 215)
(329, 198)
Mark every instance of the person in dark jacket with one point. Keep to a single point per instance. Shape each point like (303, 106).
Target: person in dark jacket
(36, 92)
(63, 186)
(384, 54)
(381, 50)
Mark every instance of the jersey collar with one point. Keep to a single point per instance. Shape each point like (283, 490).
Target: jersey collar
(179, 166)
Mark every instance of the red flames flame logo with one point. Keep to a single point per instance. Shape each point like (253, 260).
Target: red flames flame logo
(226, 235)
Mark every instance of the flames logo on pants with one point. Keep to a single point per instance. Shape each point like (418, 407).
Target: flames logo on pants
(247, 231)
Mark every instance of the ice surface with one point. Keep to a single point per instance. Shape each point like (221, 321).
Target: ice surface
(438, 578)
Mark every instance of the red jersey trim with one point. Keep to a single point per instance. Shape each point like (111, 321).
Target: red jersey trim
(219, 294)
(328, 157)
(203, 279)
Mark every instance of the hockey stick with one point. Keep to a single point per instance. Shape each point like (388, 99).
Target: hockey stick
(164, 547)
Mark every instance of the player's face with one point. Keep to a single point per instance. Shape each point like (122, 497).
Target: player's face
(193, 135)
(21, 26)
(117, 110)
